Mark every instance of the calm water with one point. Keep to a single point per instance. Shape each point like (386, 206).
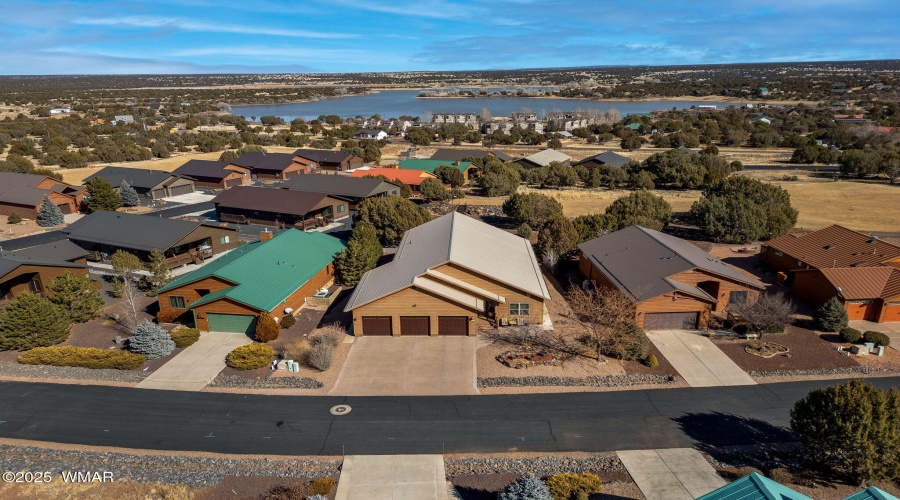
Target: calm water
(395, 103)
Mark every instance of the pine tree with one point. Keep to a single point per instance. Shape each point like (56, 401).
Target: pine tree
(49, 214)
(151, 340)
(831, 317)
(128, 195)
(30, 321)
(526, 488)
(160, 274)
(102, 195)
(362, 254)
(266, 328)
(75, 294)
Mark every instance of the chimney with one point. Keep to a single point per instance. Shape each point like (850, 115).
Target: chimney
(266, 235)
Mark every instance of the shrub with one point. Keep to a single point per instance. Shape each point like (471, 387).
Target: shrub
(14, 218)
(169, 315)
(831, 317)
(266, 328)
(534, 209)
(524, 231)
(332, 334)
(565, 486)
(184, 337)
(321, 356)
(30, 320)
(285, 492)
(297, 350)
(76, 294)
(288, 321)
(321, 486)
(651, 361)
(249, 357)
(526, 488)
(877, 338)
(638, 346)
(86, 357)
(850, 335)
(151, 340)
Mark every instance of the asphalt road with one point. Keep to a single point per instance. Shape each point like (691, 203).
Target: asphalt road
(285, 425)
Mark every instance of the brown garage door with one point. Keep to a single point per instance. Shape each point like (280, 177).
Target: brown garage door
(376, 325)
(453, 325)
(671, 321)
(183, 189)
(415, 325)
(233, 182)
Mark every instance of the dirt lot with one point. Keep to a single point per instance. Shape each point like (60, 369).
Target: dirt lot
(808, 351)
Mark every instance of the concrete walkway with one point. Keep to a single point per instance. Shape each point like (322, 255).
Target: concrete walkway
(673, 474)
(409, 366)
(393, 477)
(697, 359)
(197, 365)
(891, 329)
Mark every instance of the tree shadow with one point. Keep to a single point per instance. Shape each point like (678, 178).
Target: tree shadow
(719, 433)
(468, 493)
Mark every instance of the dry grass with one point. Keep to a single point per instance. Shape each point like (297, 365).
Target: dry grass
(123, 490)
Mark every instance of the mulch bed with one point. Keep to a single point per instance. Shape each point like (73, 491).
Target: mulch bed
(639, 368)
(808, 351)
(253, 487)
(486, 486)
(257, 373)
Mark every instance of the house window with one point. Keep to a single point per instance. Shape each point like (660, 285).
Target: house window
(737, 298)
(780, 254)
(202, 292)
(894, 303)
(176, 302)
(341, 208)
(519, 309)
(224, 239)
(34, 285)
(859, 302)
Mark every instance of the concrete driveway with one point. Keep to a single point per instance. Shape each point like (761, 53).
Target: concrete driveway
(697, 359)
(671, 474)
(197, 365)
(409, 366)
(393, 477)
(891, 329)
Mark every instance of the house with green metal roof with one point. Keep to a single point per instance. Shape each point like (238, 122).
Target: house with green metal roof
(469, 169)
(871, 493)
(754, 486)
(275, 274)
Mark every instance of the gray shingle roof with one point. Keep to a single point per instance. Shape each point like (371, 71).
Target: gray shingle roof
(459, 239)
(19, 188)
(9, 264)
(265, 161)
(341, 185)
(204, 168)
(32, 240)
(460, 154)
(607, 158)
(140, 232)
(639, 261)
(63, 250)
(546, 157)
(265, 199)
(135, 177)
(322, 155)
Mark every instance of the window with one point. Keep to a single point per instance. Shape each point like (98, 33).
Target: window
(519, 309)
(737, 298)
(780, 254)
(34, 285)
(176, 302)
(859, 302)
(341, 208)
(202, 292)
(894, 303)
(224, 239)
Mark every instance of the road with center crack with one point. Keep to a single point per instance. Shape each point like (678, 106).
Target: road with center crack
(304, 425)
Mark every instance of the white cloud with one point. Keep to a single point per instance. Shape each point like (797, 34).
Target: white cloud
(186, 25)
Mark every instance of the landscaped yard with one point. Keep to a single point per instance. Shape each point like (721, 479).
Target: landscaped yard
(808, 351)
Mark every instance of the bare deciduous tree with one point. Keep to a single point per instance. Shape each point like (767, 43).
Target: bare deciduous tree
(603, 315)
(768, 311)
(125, 285)
(550, 259)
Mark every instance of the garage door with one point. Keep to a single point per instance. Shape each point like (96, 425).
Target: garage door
(376, 325)
(184, 189)
(158, 193)
(233, 182)
(453, 325)
(671, 321)
(237, 323)
(415, 325)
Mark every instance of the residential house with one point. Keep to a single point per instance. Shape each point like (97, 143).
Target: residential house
(469, 170)
(565, 135)
(672, 283)
(273, 165)
(762, 91)
(373, 134)
(122, 119)
(862, 271)
(605, 158)
(329, 161)
(762, 119)
(353, 189)
(275, 274)
(412, 178)
(467, 119)
(543, 159)
(102, 233)
(57, 250)
(461, 154)
(63, 110)
(754, 486)
(216, 174)
(24, 193)
(22, 274)
(278, 207)
(446, 275)
(152, 184)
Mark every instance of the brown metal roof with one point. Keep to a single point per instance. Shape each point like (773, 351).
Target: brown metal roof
(836, 246)
(282, 201)
(859, 282)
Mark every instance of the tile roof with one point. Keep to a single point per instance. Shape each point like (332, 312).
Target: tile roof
(140, 232)
(19, 188)
(411, 177)
(10, 263)
(462, 240)
(265, 199)
(265, 273)
(341, 185)
(639, 261)
(432, 165)
(265, 161)
(754, 486)
(836, 246)
(204, 168)
(135, 177)
(546, 157)
(322, 155)
(460, 154)
(607, 158)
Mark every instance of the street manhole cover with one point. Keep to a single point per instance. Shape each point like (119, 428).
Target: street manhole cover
(340, 410)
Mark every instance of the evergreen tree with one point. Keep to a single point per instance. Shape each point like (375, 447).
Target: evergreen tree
(852, 429)
(101, 195)
(642, 208)
(362, 254)
(526, 488)
(30, 320)
(433, 189)
(391, 216)
(49, 214)
(558, 235)
(266, 328)
(831, 317)
(151, 340)
(128, 195)
(74, 293)
(160, 275)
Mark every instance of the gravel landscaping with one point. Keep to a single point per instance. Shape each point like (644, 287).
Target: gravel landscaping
(70, 372)
(236, 381)
(853, 370)
(539, 466)
(592, 381)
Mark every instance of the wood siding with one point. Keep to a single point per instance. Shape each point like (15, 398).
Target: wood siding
(274, 218)
(214, 234)
(17, 280)
(674, 302)
(812, 287)
(512, 295)
(719, 287)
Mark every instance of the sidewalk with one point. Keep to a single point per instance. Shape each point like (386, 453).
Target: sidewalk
(671, 474)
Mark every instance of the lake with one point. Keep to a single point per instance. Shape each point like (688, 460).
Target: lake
(395, 103)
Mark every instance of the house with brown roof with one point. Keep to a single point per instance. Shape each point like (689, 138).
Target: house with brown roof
(279, 207)
(151, 184)
(23, 194)
(411, 177)
(672, 283)
(215, 174)
(861, 270)
(273, 165)
(22, 274)
(329, 161)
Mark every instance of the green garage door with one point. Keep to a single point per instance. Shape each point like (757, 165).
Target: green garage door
(237, 323)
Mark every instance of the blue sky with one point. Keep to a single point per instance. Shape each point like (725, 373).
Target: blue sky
(213, 36)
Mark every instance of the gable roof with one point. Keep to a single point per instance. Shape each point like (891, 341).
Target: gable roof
(754, 486)
(370, 131)
(322, 155)
(265, 273)
(462, 240)
(407, 176)
(340, 185)
(546, 157)
(62, 250)
(135, 177)
(204, 168)
(689, 150)
(265, 161)
(836, 246)
(18, 188)
(460, 154)
(607, 158)
(864, 282)
(140, 232)
(640, 262)
(9, 263)
(32, 240)
(871, 493)
(432, 165)
(266, 199)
